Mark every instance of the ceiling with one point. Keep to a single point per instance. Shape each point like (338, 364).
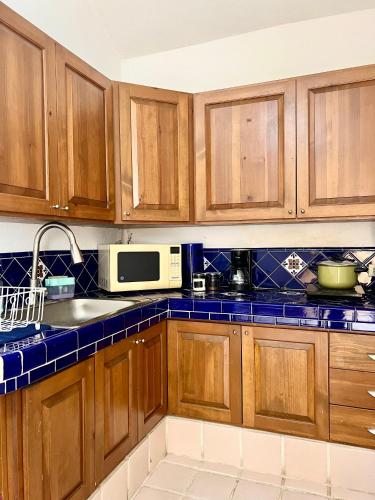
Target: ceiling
(147, 26)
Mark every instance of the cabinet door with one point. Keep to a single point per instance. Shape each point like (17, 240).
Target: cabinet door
(335, 144)
(245, 153)
(204, 371)
(28, 148)
(152, 378)
(153, 126)
(58, 427)
(285, 381)
(115, 404)
(85, 137)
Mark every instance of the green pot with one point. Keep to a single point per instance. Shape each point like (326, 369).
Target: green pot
(338, 275)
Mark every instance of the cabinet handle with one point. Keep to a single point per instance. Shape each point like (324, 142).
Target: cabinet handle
(135, 342)
(235, 332)
(246, 332)
(302, 210)
(372, 431)
(127, 213)
(371, 356)
(290, 212)
(371, 393)
(55, 206)
(66, 208)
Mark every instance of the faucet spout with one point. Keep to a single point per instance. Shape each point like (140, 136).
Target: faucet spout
(76, 253)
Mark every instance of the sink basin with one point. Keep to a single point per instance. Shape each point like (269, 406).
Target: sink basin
(78, 312)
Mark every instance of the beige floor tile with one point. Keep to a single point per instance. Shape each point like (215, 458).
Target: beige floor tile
(246, 490)
(261, 478)
(307, 486)
(343, 494)
(182, 460)
(221, 444)
(137, 467)
(306, 459)
(261, 452)
(352, 468)
(299, 495)
(146, 493)
(184, 437)
(228, 470)
(210, 486)
(171, 477)
(157, 442)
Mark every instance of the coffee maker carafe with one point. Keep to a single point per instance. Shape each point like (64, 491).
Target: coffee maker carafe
(240, 273)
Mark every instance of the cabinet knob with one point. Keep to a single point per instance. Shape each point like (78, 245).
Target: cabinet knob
(135, 342)
(127, 213)
(246, 332)
(235, 332)
(55, 206)
(290, 212)
(66, 208)
(302, 210)
(142, 341)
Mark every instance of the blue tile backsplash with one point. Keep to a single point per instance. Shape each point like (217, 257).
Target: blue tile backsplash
(287, 268)
(15, 268)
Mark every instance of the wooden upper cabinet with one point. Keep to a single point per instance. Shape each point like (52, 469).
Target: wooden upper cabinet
(85, 139)
(245, 153)
(27, 117)
(153, 146)
(335, 143)
(285, 381)
(115, 405)
(204, 371)
(58, 435)
(152, 377)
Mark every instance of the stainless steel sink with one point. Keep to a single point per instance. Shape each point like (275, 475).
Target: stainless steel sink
(78, 312)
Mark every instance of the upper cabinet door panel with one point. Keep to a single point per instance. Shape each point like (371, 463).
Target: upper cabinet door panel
(245, 153)
(154, 154)
(336, 146)
(27, 112)
(85, 138)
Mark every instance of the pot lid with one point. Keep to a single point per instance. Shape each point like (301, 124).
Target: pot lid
(338, 263)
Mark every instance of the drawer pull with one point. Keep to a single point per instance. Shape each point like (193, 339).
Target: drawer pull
(371, 393)
(371, 356)
(371, 431)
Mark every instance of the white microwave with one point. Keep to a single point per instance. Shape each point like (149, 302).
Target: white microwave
(139, 267)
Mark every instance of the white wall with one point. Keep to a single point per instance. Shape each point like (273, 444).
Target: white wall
(75, 25)
(284, 51)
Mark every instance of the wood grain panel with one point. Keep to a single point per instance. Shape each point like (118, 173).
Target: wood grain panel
(352, 426)
(352, 351)
(350, 388)
(285, 380)
(59, 453)
(153, 139)
(115, 405)
(28, 148)
(85, 138)
(204, 379)
(152, 378)
(336, 150)
(245, 152)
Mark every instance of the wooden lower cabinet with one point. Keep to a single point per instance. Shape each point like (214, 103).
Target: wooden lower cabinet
(115, 405)
(285, 381)
(152, 378)
(204, 371)
(58, 435)
(352, 426)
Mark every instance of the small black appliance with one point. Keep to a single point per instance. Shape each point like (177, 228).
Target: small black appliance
(240, 272)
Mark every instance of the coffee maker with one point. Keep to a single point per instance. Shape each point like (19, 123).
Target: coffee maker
(240, 272)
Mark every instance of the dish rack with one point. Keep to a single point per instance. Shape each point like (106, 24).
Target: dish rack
(21, 307)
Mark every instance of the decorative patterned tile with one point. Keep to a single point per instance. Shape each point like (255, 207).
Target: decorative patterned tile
(294, 264)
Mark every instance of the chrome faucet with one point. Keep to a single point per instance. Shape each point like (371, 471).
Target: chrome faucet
(77, 256)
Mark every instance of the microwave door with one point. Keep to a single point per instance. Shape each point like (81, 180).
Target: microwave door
(136, 267)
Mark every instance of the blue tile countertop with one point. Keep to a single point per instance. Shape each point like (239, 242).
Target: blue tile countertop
(25, 361)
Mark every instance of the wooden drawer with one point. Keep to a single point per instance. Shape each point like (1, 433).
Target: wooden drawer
(350, 388)
(352, 352)
(352, 426)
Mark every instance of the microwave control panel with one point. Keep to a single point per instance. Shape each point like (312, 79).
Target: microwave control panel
(175, 263)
